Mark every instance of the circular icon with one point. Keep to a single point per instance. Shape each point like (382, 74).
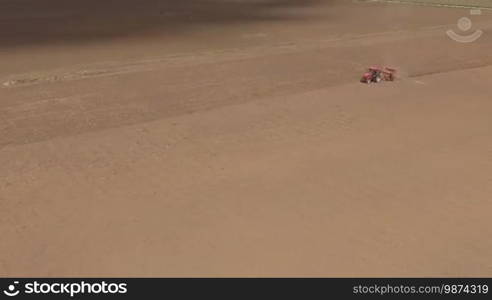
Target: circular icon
(10, 291)
(464, 24)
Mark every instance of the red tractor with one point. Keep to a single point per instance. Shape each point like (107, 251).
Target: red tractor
(378, 74)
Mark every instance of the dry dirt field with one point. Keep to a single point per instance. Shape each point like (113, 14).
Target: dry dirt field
(232, 138)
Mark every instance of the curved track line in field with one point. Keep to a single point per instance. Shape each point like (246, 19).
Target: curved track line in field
(113, 68)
